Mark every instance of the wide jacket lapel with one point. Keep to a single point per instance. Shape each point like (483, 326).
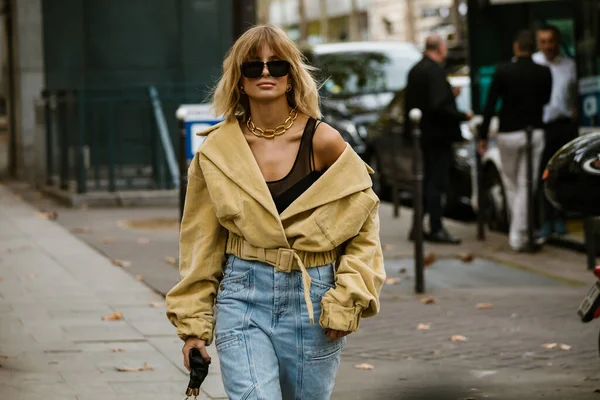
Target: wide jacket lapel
(348, 175)
(228, 150)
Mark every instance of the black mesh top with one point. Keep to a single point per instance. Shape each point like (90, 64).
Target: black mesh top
(301, 176)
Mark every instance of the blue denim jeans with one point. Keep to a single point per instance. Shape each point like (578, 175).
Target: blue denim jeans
(267, 347)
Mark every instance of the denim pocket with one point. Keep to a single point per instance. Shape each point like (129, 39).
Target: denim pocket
(227, 340)
(233, 283)
(321, 280)
(329, 353)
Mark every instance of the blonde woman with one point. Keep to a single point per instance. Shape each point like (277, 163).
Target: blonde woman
(280, 230)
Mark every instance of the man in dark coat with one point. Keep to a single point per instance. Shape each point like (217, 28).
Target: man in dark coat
(428, 89)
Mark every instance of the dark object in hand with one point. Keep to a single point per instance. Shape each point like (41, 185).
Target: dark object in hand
(199, 370)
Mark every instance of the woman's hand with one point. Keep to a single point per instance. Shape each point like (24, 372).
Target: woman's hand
(332, 334)
(191, 343)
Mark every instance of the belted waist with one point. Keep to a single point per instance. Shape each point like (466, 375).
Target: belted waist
(284, 260)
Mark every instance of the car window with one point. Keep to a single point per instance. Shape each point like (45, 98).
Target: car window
(361, 72)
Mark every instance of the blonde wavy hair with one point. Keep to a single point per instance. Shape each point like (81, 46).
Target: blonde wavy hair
(228, 100)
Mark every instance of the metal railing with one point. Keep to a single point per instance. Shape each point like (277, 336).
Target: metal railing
(114, 139)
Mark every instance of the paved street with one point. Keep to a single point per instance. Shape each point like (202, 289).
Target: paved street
(532, 298)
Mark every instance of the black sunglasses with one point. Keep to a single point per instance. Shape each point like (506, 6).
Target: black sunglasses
(254, 69)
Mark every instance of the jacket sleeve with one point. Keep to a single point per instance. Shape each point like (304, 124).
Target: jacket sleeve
(359, 279)
(201, 253)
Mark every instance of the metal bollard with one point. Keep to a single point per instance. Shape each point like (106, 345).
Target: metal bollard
(395, 189)
(63, 139)
(50, 116)
(530, 204)
(415, 116)
(181, 114)
(480, 192)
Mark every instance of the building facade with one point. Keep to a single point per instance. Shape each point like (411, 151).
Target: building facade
(413, 20)
(105, 52)
(377, 20)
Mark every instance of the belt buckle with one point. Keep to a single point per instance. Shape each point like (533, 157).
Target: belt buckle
(285, 260)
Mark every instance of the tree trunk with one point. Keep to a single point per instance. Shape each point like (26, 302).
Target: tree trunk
(456, 22)
(302, 26)
(354, 22)
(324, 21)
(411, 34)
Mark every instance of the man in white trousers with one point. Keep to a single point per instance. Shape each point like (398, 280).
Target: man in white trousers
(524, 88)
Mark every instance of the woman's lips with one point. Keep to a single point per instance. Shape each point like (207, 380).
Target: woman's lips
(265, 85)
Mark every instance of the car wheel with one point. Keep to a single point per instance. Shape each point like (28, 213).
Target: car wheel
(379, 187)
(494, 205)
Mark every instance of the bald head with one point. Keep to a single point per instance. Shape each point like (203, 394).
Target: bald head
(435, 48)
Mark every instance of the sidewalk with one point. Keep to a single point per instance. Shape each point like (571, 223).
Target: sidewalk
(54, 291)
(533, 300)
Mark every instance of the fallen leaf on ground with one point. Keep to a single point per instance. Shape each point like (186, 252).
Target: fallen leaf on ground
(49, 215)
(466, 257)
(428, 300)
(31, 276)
(117, 350)
(436, 352)
(458, 338)
(84, 229)
(392, 281)
(139, 277)
(158, 304)
(171, 260)
(143, 240)
(429, 259)
(388, 247)
(565, 347)
(107, 240)
(15, 249)
(84, 206)
(122, 263)
(364, 366)
(484, 306)
(402, 270)
(549, 345)
(422, 327)
(145, 367)
(53, 362)
(113, 317)
(3, 357)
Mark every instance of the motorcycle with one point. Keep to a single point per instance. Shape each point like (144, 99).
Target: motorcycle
(572, 183)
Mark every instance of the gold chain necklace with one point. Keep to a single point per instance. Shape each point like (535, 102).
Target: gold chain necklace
(277, 131)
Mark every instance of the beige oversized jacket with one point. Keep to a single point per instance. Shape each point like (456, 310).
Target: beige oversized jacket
(227, 192)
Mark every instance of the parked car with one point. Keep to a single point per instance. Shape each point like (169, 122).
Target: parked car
(358, 80)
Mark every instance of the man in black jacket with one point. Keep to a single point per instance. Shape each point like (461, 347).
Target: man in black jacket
(524, 88)
(428, 90)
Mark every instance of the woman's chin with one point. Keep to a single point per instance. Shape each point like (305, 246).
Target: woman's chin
(267, 97)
